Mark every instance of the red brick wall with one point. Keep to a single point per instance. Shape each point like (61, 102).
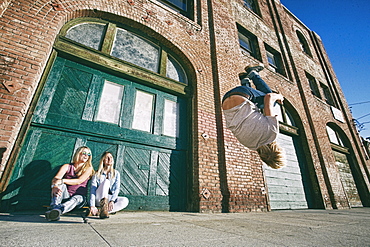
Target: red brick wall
(225, 176)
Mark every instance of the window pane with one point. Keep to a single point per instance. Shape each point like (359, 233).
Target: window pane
(333, 136)
(110, 103)
(277, 111)
(303, 42)
(175, 71)
(249, 4)
(143, 111)
(289, 119)
(170, 119)
(178, 3)
(136, 50)
(245, 43)
(327, 94)
(313, 85)
(89, 34)
(271, 59)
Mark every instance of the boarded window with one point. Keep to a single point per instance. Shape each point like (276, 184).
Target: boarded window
(170, 121)
(143, 111)
(110, 103)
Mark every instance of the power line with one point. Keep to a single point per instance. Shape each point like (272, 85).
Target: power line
(363, 116)
(360, 126)
(360, 103)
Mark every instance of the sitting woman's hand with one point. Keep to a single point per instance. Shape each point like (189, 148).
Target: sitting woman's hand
(93, 211)
(56, 191)
(110, 206)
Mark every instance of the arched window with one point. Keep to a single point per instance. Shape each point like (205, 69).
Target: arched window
(284, 116)
(334, 136)
(130, 47)
(304, 45)
(174, 70)
(89, 34)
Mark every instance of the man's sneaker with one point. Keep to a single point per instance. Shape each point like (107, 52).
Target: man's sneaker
(242, 75)
(103, 209)
(244, 80)
(257, 68)
(53, 215)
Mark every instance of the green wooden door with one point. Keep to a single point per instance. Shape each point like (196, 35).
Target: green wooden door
(139, 124)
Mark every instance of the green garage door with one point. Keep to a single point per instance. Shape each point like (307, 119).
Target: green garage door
(139, 124)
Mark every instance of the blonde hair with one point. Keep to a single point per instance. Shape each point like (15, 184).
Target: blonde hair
(112, 172)
(87, 164)
(272, 154)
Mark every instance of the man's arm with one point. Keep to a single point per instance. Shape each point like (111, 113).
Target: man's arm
(269, 102)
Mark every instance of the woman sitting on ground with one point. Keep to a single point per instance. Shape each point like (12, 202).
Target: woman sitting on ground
(105, 186)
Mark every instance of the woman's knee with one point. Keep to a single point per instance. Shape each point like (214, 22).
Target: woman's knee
(121, 203)
(78, 198)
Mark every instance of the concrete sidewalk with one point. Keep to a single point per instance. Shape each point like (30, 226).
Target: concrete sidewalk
(278, 228)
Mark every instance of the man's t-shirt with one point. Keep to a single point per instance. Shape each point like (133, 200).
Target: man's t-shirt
(250, 126)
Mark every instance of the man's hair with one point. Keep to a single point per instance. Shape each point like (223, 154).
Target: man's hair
(272, 154)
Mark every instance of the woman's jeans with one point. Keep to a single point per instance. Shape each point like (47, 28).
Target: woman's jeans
(69, 202)
(103, 192)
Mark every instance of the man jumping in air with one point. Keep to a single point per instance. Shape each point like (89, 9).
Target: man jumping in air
(256, 130)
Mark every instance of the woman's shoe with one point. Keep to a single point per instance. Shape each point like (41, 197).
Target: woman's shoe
(103, 214)
(53, 215)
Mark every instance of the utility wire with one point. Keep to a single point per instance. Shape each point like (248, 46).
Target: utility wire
(363, 116)
(359, 103)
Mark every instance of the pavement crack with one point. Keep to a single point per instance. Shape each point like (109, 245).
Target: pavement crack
(101, 236)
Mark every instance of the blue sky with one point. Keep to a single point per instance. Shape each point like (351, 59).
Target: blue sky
(344, 28)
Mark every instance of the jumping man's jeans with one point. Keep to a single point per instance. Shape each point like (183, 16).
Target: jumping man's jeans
(261, 90)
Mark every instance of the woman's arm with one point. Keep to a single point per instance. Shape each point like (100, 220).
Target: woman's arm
(82, 178)
(116, 186)
(93, 188)
(115, 190)
(60, 174)
(58, 180)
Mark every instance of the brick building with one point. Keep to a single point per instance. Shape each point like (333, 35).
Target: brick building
(144, 79)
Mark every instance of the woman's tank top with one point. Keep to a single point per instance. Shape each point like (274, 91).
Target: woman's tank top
(78, 189)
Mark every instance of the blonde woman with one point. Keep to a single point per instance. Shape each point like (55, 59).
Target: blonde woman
(105, 186)
(256, 130)
(69, 186)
